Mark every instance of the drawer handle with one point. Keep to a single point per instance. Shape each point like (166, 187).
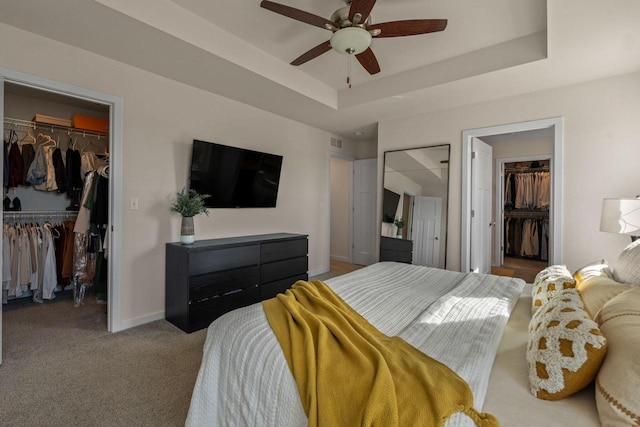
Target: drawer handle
(231, 292)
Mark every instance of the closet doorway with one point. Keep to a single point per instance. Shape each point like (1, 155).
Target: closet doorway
(30, 106)
(513, 137)
(522, 210)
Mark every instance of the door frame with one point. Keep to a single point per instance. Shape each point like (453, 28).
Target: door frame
(555, 212)
(114, 313)
(350, 159)
(498, 252)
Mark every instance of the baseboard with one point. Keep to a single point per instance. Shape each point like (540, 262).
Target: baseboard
(319, 271)
(340, 258)
(137, 321)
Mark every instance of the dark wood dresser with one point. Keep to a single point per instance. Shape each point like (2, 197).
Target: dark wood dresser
(208, 278)
(392, 249)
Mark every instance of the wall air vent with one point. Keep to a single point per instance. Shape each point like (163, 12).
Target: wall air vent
(335, 142)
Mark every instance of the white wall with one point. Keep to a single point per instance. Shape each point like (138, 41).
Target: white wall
(161, 118)
(601, 151)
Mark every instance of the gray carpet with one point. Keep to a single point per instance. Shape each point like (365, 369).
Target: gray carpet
(62, 368)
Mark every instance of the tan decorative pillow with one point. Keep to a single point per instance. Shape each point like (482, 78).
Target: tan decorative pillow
(598, 268)
(618, 380)
(565, 347)
(597, 290)
(549, 283)
(627, 269)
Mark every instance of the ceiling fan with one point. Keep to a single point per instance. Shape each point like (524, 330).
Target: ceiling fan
(353, 31)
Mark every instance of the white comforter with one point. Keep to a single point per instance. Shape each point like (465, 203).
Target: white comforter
(453, 317)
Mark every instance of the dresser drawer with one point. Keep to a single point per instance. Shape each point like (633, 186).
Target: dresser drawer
(276, 251)
(283, 269)
(221, 282)
(271, 289)
(203, 312)
(223, 259)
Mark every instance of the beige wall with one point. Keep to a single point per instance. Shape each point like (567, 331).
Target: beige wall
(601, 151)
(161, 118)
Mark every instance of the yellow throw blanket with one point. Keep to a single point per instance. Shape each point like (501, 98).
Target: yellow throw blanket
(350, 374)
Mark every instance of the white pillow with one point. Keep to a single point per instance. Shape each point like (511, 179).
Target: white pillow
(627, 269)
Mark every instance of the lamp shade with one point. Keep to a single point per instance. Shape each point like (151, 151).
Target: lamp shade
(351, 40)
(621, 216)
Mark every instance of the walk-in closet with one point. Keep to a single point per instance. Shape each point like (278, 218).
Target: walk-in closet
(55, 210)
(527, 198)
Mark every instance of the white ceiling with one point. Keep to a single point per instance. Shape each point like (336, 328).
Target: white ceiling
(490, 49)
(286, 39)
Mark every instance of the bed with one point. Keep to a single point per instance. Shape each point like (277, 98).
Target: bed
(478, 325)
(243, 363)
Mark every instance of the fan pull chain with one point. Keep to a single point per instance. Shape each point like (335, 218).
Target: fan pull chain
(349, 71)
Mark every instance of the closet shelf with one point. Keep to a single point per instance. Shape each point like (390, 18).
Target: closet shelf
(10, 123)
(518, 213)
(526, 169)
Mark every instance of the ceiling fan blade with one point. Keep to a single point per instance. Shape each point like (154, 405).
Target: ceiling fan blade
(410, 27)
(297, 14)
(368, 60)
(312, 53)
(363, 7)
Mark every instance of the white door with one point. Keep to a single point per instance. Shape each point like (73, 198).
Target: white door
(425, 232)
(481, 225)
(365, 228)
(1, 172)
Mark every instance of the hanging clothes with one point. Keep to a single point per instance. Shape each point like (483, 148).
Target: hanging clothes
(28, 154)
(30, 259)
(59, 170)
(92, 225)
(15, 165)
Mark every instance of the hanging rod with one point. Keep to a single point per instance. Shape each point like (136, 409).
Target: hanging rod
(18, 214)
(19, 123)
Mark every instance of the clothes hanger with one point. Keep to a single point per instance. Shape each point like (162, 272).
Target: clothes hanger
(27, 135)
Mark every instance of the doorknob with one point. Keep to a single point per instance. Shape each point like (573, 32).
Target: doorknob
(437, 238)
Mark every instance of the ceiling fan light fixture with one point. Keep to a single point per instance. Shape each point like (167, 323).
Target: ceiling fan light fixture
(351, 40)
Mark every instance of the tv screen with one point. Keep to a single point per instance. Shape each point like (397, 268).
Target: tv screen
(389, 206)
(234, 177)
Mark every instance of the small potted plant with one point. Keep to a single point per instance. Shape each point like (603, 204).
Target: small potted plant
(399, 222)
(189, 204)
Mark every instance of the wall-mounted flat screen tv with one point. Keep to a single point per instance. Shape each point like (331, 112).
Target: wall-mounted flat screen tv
(389, 206)
(234, 177)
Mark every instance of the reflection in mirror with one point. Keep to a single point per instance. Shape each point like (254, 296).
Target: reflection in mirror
(414, 206)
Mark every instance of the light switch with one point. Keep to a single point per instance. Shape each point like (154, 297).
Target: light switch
(133, 204)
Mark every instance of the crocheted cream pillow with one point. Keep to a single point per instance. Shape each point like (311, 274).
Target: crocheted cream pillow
(627, 269)
(565, 347)
(618, 380)
(549, 283)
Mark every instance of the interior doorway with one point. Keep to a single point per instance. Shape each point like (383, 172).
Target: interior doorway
(341, 208)
(510, 136)
(522, 215)
(50, 91)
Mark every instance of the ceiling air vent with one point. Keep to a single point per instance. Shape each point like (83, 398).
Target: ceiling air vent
(335, 142)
